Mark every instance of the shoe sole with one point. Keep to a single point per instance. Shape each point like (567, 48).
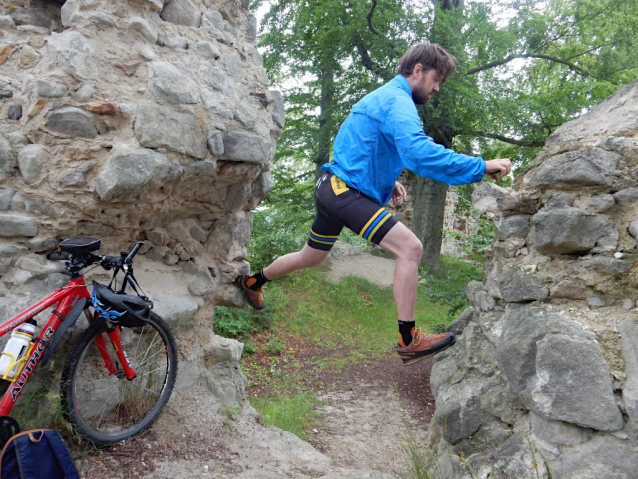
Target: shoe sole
(410, 362)
(240, 284)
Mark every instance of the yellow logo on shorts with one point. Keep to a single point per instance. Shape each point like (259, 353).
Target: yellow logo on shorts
(338, 186)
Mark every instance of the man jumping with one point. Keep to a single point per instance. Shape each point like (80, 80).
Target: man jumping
(381, 136)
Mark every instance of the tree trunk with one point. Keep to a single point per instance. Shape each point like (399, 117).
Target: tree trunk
(428, 223)
(324, 140)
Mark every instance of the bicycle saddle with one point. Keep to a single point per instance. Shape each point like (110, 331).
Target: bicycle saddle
(79, 246)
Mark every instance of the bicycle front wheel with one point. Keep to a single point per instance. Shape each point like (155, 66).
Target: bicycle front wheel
(107, 408)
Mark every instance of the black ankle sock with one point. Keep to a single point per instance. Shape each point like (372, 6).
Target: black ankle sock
(256, 281)
(405, 329)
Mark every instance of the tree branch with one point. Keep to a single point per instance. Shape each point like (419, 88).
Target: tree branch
(374, 30)
(511, 141)
(369, 63)
(471, 71)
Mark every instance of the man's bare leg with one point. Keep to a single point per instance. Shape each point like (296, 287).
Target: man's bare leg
(406, 248)
(305, 258)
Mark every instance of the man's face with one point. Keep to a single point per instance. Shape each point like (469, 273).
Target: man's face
(426, 85)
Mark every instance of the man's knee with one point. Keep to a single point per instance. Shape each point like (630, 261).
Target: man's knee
(413, 248)
(313, 257)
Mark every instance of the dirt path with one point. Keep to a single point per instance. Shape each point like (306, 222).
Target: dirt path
(374, 269)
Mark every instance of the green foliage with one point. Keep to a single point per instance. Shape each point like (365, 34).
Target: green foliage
(449, 289)
(290, 412)
(241, 323)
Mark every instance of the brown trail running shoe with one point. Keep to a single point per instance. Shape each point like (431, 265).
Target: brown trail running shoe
(255, 298)
(423, 345)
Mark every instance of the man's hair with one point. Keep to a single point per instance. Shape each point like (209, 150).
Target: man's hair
(432, 56)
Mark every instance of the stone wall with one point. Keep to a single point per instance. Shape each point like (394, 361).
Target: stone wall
(545, 370)
(136, 120)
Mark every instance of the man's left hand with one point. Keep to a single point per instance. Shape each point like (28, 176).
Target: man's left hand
(398, 193)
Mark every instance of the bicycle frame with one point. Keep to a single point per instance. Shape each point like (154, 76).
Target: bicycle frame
(66, 297)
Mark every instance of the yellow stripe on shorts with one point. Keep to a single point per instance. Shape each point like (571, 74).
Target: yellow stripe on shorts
(363, 230)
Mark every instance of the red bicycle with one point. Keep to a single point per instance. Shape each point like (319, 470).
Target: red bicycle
(109, 391)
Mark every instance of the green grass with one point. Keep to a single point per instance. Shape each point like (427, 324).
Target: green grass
(293, 412)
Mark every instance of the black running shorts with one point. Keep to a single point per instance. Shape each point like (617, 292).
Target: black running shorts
(339, 206)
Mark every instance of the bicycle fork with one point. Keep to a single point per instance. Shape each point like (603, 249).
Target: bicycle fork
(113, 333)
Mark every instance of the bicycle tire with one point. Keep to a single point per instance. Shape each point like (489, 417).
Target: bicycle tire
(88, 392)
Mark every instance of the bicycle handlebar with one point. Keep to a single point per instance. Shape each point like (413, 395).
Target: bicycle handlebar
(56, 256)
(136, 248)
(107, 262)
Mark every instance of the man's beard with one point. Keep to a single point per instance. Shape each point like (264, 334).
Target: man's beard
(419, 98)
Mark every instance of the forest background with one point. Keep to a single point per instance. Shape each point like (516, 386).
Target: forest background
(524, 68)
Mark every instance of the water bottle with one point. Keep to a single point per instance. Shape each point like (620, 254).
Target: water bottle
(17, 345)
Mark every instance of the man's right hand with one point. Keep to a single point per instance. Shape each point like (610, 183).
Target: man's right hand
(498, 168)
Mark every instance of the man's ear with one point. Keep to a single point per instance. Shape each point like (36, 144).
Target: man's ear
(418, 68)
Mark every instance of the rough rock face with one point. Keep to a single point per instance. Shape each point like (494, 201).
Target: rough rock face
(148, 120)
(546, 366)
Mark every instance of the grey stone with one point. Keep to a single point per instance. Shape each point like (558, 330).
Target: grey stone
(21, 203)
(616, 115)
(78, 177)
(38, 265)
(189, 267)
(171, 259)
(233, 64)
(75, 54)
(18, 139)
(458, 325)
(215, 142)
(479, 297)
(230, 236)
(604, 457)
(8, 255)
(585, 167)
(246, 115)
(486, 195)
(215, 78)
(181, 12)
(71, 121)
(100, 18)
(569, 290)
(204, 168)
(558, 369)
(157, 253)
(596, 302)
(159, 237)
(156, 5)
(8, 157)
(629, 346)
(627, 196)
(31, 160)
(128, 171)
(248, 147)
(39, 17)
(42, 244)
(50, 89)
(159, 126)
(6, 94)
(203, 285)
(217, 103)
(458, 412)
(215, 18)
(628, 304)
(558, 432)
(251, 27)
(601, 203)
(15, 112)
(207, 50)
(608, 265)
(259, 189)
(173, 41)
(169, 83)
(6, 22)
(70, 13)
(515, 285)
(568, 230)
(278, 110)
(84, 93)
(141, 26)
(558, 199)
(14, 226)
(6, 195)
(517, 226)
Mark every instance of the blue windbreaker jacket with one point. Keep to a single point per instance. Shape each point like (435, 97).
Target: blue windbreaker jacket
(382, 135)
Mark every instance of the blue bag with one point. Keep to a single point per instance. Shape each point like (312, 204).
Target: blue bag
(37, 454)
